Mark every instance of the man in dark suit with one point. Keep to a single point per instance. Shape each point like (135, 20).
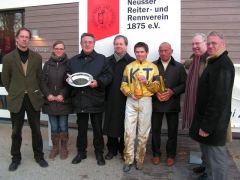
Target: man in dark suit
(115, 107)
(89, 100)
(168, 103)
(20, 76)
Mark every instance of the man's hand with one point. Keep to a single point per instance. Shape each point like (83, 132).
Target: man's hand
(59, 98)
(165, 96)
(134, 97)
(93, 84)
(160, 97)
(68, 77)
(203, 133)
(50, 97)
(142, 79)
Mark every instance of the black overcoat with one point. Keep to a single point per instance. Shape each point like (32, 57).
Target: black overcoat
(87, 99)
(116, 101)
(174, 78)
(213, 105)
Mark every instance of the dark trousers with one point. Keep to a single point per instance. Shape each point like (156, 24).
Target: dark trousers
(17, 124)
(96, 121)
(115, 144)
(172, 123)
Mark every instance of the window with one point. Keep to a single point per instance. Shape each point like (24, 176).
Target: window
(10, 22)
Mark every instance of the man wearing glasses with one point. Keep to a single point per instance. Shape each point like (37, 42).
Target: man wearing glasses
(196, 64)
(89, 101)
(213, 108)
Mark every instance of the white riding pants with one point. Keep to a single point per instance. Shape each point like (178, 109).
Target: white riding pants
(137, 124)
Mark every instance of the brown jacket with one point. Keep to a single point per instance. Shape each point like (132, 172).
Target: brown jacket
(17, 84)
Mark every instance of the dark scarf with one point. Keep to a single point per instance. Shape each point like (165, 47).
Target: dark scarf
(58, 58)
(23, 55)
(189, 100)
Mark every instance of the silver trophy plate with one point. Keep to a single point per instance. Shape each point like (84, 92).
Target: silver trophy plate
(79, 79)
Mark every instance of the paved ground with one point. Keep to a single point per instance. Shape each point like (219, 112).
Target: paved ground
(89, 170)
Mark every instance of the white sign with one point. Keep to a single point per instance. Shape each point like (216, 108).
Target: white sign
(149, 21)
(235, 118)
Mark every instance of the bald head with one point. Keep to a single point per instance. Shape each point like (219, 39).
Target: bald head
(165, 51)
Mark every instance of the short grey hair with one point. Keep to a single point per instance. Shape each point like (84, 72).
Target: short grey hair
(202, 35)
(215, 33)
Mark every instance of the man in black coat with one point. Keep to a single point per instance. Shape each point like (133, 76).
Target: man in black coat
(167, 103)
(89, 100)
(116, 101)
(213, 108)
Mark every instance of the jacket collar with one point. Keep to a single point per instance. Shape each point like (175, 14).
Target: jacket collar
(18, 61)
(126, 57)
(83, 55)
(172, 61)
(144, 62)
(218, 53)
(215, 57)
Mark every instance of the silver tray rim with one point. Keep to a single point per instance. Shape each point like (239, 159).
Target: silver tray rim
(80, 74)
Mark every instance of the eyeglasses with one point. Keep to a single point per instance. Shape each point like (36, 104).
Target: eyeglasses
(212, 43)
(197, 43)
(58, 49)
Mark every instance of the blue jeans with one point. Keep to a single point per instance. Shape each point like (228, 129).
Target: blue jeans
(4, 101)
(59, 123)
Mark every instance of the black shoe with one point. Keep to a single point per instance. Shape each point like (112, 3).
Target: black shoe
(78, 158)
(14, 165)
(42, 162)
(199, 169)
(100, 160)
(110, 155)
(127, 167)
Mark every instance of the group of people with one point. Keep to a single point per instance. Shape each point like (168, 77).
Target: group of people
(130, 95)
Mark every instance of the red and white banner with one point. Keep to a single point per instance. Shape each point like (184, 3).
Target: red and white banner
(103, 18)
